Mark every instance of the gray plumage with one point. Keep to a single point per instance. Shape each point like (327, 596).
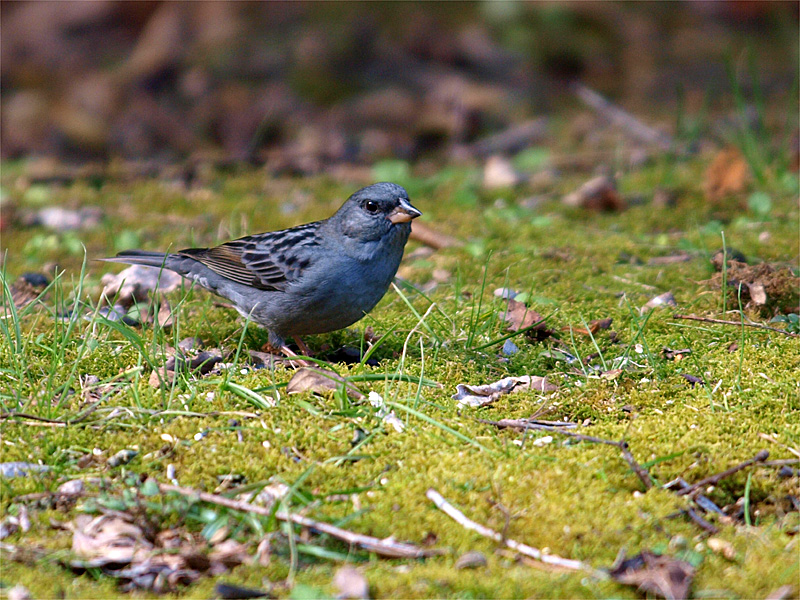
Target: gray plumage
(308, 279)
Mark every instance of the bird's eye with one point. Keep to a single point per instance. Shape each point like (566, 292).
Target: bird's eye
(370, 206)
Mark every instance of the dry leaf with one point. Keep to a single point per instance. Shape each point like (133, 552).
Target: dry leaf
(651, 573)
(106, 540)
(136, 282)
(594, 327)
(27, 288)
(518, 316)
(481, 395)
(310, 379)
(599, 193)
(727, 174)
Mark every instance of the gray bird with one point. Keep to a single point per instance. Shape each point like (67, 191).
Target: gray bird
(308, 279)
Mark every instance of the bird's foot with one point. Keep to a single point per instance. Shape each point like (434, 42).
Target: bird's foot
(293, 358)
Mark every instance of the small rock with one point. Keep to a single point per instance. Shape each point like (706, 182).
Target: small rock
(499, 173)
(351, 583)
(205, 362)
(471, 560)
(190, 343)
(505, 293)
(117, 313)
(8, 526)
(57, 218)
(19, 592)
(135, 282)
(123, 457)
(510, 348)
(20, 469)
(722, 547)
(71, 487)
(665, 299)
(159, 376)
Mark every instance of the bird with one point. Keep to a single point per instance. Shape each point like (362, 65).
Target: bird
(309, 279)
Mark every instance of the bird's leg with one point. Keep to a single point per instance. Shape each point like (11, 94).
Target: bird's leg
(305, 350)
(286, 351)
(293, 357)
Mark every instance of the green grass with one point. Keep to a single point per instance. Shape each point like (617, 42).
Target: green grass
(579, 500)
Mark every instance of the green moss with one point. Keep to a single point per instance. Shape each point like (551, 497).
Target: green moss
(576, 499)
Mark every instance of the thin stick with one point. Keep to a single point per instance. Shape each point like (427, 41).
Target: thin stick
(19, 415)
(699, 521)
(640, 471)
(616, 115)
(525, 424)
(736, 323)
(769, 438)
(36, 496)
(383, 547)
(550, 559)
(714, 479)
(781, 462)
(513, 139)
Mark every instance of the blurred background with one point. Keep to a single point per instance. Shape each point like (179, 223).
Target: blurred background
(302, 86)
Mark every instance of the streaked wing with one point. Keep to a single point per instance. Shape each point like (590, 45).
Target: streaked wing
(266, 261)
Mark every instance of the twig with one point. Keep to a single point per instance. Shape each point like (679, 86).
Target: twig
(640, 471)
(523, 424)
(737, 323)
(383, 547)
(781, 462)
(771, 439)
(19, 415)
(617, 116)
(513, 139)
(46, 495)
(714, 479)
(551, 559)
(695, 516)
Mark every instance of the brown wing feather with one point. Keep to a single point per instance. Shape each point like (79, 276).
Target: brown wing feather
(267, 261)
(226, 261)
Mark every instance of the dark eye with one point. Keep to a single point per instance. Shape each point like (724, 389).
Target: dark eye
(370, 206)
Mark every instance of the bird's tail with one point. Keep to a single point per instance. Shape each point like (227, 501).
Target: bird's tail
(140, 257)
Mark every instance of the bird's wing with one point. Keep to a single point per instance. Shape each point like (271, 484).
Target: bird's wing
(266, 261)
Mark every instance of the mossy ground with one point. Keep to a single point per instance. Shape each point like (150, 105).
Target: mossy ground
(577, 500)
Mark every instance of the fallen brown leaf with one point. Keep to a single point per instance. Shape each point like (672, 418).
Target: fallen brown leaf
(519, 316)
(310, 379)
(727, 174)
(27, 288)
(599, 194)
(661, 575)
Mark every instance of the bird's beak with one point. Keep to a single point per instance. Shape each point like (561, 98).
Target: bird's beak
(403, 213)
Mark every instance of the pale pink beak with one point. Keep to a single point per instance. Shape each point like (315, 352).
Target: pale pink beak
(403, 213)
